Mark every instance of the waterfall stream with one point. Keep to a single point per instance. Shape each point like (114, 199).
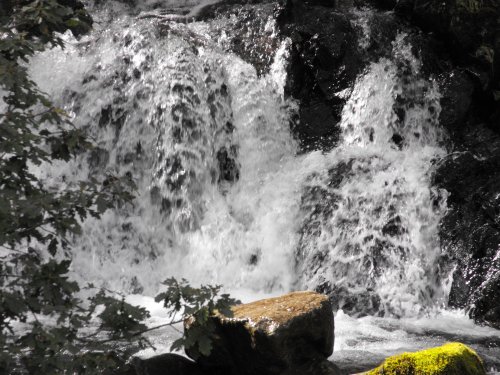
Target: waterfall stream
(373, 232)
(224, 195)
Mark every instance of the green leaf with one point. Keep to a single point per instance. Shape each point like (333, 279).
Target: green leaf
(53, 246)
(205, 345)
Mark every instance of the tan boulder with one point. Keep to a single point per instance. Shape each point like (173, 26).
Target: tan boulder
(274, 336)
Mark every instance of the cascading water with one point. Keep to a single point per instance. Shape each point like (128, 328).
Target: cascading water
(208, 142)
(224, 196)
(371, 228)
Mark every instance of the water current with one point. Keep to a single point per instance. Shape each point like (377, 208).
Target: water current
(224, 195)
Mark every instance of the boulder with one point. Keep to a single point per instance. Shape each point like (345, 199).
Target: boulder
(279, 335)
(450, 359)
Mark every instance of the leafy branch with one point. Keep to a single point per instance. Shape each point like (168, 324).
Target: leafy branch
(45, 325)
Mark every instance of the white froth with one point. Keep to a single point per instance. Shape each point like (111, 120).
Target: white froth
(246, 235)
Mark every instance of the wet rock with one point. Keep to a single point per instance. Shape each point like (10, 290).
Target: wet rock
(322, 64)
(470, 31)
(470, 231)
(450, 359)
(253, 36)
(331, 46)
(228, 168)
(457, 89)
(313, 259)
(165, 364)
(359, 304)
(274, 336)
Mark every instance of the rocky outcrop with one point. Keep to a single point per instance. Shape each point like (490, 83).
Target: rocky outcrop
(329, 50)
(250, 25)
(325, 54)
(470, 231)
(291, 334)
(449, 359)
(321, 67)
(470, 31)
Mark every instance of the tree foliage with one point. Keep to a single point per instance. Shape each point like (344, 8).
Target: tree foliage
(199, 305)
(45, 326)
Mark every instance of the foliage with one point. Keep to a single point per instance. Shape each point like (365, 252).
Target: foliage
(450, 359)
(199, 304)
(45, 326)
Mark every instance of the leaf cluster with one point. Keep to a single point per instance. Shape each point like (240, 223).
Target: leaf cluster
(198, 306)
(41, 317)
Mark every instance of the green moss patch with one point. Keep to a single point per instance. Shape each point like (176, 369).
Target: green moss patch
(450, 359)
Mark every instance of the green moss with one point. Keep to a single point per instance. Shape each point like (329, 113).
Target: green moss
(450, 359)
(470, 6)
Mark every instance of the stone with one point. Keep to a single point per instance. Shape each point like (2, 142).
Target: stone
(317, 367)
(456, 89)
(274, 336)
(322, 63)
(470, 231)
(450, 359)
(164, 364)
(228, 167)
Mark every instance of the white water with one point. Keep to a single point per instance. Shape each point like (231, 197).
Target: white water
(216, 230)
(381, 235)
(172, 88)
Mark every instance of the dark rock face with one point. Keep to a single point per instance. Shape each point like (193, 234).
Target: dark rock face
(464, 59)
(325, 57)
(322, 64)
(457, 89)
(470, 231)
(329, 50)
(471, 31)
(228, 169)
(291, 334)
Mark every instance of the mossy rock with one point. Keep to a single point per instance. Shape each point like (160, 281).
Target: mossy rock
(450, 359)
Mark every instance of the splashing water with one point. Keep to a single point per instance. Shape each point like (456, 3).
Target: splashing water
(223, 195)
(371, 227)
(164, 100)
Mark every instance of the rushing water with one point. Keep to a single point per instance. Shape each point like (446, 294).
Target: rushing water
(374, 232)
(225, 197)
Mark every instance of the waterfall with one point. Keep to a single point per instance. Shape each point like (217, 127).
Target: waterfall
(205, 138)
(196, 113)
(370, 233)
(224, 196)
